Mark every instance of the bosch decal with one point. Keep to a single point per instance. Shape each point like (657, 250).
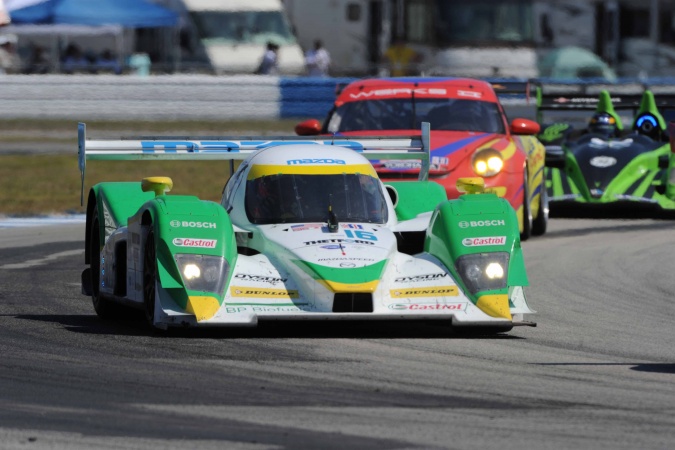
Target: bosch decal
(481, 223)
(188, 224)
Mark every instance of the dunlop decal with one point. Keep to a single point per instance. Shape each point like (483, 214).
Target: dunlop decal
(438, 291)
(244, 291)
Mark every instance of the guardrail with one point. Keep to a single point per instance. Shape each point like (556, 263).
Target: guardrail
(194, 97)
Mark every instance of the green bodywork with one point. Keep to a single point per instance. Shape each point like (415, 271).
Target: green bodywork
(643, 179)
(417, 197)
(122, 204)
(449, 228)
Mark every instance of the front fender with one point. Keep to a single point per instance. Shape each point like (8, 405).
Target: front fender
(475, 224)
(183, 225)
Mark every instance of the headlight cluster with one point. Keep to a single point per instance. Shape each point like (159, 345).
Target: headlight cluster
(484, 271)
(203, 272)
(487, 162)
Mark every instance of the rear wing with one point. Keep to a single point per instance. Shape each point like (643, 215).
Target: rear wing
(231, 149)
(554, 96)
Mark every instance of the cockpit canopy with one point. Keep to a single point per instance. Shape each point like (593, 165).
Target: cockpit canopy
(293, 198)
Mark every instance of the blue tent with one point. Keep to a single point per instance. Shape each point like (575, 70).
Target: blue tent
(126, 13)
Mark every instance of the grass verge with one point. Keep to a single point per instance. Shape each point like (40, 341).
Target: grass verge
(36, 184)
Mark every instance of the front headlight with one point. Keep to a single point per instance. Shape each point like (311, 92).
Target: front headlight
(487, 162)
(203, 272)
(484, 271)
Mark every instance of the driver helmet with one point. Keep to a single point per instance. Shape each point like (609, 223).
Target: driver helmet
(603, 123)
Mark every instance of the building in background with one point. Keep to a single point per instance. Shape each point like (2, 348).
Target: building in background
(487, 38)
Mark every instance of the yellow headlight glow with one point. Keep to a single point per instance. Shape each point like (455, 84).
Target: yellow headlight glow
(487, 162)
(191, 271)
(494, 270)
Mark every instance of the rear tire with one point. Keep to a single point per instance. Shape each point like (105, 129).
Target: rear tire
(527, 212)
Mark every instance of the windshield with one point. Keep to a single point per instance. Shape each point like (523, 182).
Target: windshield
(404, 114)
(306, 198)
(254, 27)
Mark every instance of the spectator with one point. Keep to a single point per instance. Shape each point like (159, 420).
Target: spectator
(74, 60)
(401, 59)
(317, 60)
(107, 62)
(9, 58)
(270, 61)
(38, 61)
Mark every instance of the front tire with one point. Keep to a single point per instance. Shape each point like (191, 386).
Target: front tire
(150, 278)
(104, 308)
(541, 222)
(527, 211)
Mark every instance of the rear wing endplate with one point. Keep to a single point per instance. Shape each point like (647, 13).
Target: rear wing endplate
(239, 148)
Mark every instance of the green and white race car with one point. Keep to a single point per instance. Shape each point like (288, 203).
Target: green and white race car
(305, 231)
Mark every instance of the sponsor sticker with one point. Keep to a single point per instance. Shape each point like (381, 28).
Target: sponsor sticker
(436, 291)
(292, 162)
(602, 162)
(399, 91)
(190, 224)
(195, 243)
(243, 291)
(338, 241)
(306, 226)
(483, 241)
(427, 307)
(417, 278)
(260, 278)
(481, 223)
(471, 94)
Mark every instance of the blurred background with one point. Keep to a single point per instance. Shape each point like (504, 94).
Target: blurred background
(129, 42)
(506, 38)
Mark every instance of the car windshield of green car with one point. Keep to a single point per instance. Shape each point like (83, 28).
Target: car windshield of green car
(408, 114)
(292, 198)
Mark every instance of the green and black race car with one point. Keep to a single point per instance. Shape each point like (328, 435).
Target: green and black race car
(606, 163)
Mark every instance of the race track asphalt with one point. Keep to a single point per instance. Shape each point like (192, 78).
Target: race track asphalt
(597, 373)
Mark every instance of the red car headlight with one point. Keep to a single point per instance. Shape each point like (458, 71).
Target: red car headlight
(487, 162)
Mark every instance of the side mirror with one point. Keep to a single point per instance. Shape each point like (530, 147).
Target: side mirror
(525, 126)
(310, 127)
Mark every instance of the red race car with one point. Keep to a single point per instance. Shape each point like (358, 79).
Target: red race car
(470, 135)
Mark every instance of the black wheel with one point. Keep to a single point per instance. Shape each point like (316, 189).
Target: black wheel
(541, 222)
(149, 278)
(527, 211)
(104, 308)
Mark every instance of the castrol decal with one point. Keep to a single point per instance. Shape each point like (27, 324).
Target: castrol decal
(483, 241)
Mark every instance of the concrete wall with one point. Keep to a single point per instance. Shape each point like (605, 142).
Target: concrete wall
(111, 97)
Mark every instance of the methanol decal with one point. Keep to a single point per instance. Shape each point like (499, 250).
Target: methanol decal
(243, 291)
(427, 307)
(437, 291)
(483, 241)
(338, 241)
(191, 224)
(481, 223)
(195, 243)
